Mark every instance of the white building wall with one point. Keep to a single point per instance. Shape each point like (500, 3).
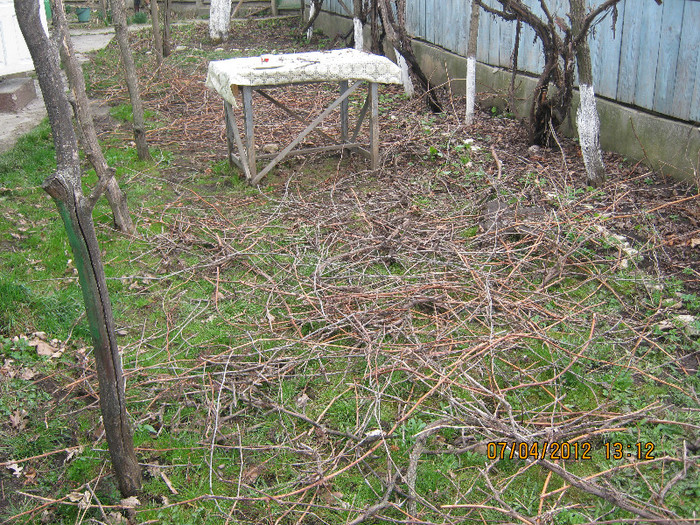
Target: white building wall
(14, 55)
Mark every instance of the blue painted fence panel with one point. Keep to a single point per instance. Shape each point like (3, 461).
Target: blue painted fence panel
(605, 41)
(686, 74)
(650, 56)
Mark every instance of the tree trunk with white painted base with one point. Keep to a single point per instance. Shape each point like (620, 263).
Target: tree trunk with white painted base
(398, 36)
(314, 11)
(312, 16)
(219, 19)
(357, 25)
(405, 74)
(587, 119)
(358, 37)
(588, 124)
(471, 64)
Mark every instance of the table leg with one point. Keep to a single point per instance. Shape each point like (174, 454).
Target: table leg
(229, 132)
(374, 125)
(344, 113)
(249, 129)
(233, 136)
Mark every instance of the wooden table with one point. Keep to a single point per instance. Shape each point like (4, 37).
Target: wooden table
(348, 67)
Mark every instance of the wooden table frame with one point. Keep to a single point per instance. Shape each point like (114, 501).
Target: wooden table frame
(244, 143)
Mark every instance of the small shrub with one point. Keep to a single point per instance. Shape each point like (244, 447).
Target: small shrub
(138, 18)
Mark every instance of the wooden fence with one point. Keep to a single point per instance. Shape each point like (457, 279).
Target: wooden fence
(648, 57)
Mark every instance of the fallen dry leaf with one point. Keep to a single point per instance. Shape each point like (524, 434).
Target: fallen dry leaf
(16, 469)
(43, 348)
(8, 370)
(252, 473)
(73, 453)
(131, 502)
(27, 374)
(302, 401)
(17, 419)
(114, 518)
(76, 497)
(29, 476)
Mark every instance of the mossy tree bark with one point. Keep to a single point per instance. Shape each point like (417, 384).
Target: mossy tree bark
(64, 186)
(132, 83)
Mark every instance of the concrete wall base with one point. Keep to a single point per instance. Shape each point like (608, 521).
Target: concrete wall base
(666, 145)
(16, 93)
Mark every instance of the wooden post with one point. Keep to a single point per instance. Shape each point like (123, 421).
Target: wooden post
(249, 129)
(232, 135)
(374, 124)
(344, 113)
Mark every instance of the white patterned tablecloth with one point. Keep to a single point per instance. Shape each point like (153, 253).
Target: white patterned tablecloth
(293, 68)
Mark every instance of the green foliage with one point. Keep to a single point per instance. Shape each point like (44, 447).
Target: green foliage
(138, 18)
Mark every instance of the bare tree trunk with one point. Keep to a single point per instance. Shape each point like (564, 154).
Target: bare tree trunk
(119, 14)
(64, 186)
(157, 39)
(587, 119)
(76, 79)
(376, 36)
(514, 66)
(219, 19)
(471, 63)
(273, 7)
(103, 11)
(167, 41)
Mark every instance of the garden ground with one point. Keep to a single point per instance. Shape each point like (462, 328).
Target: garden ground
(343, 345)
